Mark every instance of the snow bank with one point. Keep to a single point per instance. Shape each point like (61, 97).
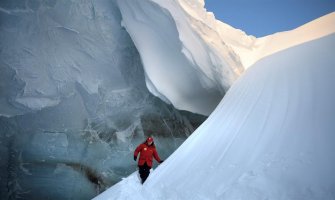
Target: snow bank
(190, 58)
(182, 67)
(270, 44)
(271, 137)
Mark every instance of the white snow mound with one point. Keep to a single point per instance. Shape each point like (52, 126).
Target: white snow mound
(271, 137)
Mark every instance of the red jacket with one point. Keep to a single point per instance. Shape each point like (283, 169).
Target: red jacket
(146, 154)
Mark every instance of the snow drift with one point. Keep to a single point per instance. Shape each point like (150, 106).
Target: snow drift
(271, 137)
(192, 63)
(185, 64)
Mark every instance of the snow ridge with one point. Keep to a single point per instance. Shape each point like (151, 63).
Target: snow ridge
(189, 71)
(192, 63)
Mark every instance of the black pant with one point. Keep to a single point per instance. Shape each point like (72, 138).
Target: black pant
(144, 171)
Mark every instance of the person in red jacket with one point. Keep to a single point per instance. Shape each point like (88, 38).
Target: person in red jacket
(147, 150)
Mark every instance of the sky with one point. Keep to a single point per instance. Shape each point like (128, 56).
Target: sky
(264, 17)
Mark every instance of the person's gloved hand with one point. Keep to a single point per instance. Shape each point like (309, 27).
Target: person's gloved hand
(135, 158)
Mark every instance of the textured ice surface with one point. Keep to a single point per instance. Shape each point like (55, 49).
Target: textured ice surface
(73, 100)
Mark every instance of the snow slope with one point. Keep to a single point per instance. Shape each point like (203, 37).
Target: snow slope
(270, 44)
(271, 137)
(190, 58)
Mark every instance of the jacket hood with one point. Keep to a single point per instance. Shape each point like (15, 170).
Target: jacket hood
(150, 139)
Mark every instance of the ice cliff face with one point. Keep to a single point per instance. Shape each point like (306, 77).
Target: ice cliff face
(73, 100)
(51, 47)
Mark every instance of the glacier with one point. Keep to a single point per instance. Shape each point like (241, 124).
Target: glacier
(74, 100)
(83, 82)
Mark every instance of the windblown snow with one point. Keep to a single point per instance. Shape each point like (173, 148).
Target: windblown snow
(271, 136)
(192, 63)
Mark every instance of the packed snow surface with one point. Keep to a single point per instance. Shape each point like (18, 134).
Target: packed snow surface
(271, 137)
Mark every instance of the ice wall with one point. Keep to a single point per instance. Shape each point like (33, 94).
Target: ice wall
(49, 46)
(186, 61)
(73, 100)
